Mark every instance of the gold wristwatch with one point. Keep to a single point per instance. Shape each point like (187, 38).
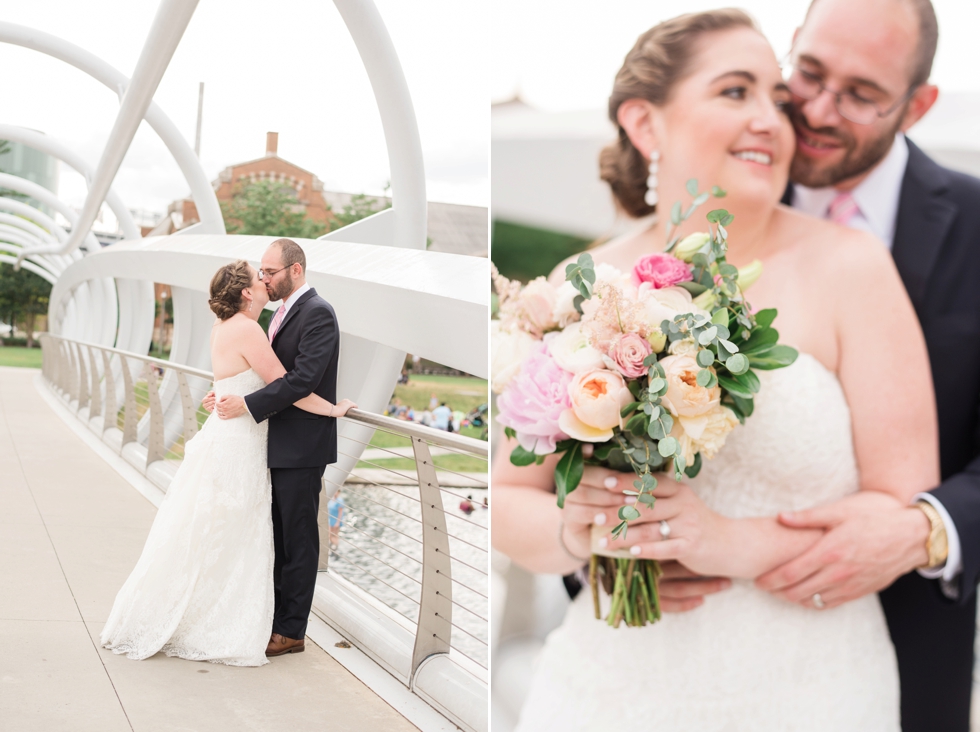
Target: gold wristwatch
(936, 545)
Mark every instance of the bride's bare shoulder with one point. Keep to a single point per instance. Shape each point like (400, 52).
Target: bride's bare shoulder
(616, 252)
(827, 246)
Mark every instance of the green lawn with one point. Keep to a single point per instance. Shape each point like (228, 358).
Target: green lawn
(19, 356)
(457, 463)
(462, 393)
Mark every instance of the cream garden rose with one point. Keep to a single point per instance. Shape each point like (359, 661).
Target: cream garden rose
(508, 349)
(684, 398)
(666, 303)
(705, 433)
(597, 398)
(537, 300)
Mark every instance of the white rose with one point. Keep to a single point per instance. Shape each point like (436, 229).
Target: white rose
(538, 302)
(508, 349)
(705, 433)
(571, 350)
(666, 303)
(683, 347)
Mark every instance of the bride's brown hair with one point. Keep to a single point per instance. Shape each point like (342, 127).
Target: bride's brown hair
(660, 58)
(226, 288)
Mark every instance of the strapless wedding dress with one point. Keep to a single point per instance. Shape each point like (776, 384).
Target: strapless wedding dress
(743, 661)
(202, 589)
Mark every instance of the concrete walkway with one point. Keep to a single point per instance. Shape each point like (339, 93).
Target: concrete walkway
(71, 529)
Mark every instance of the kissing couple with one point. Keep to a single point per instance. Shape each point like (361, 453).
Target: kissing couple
(821, 571)
(228, 570)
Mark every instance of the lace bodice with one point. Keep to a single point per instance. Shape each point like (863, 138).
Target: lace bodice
(743, 661)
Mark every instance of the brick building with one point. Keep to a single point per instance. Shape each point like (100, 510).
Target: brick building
(306, 187)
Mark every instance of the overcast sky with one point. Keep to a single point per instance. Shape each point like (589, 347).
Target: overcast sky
(563, 56)
(287, 66)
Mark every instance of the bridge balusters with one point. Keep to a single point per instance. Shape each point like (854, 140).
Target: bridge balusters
(130, 418)
(83, 382)
(155, 448)
(95, 400)
(111, 418)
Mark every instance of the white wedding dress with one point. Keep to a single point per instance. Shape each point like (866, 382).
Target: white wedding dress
(743, 661)
(202, 589)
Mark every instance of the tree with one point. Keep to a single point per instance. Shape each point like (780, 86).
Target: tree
(23, 296)
(267, 209)
(360, 207)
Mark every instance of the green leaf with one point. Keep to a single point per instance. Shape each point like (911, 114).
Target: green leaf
(667, 446)
(695, 288)
(637, 424)
(577, 304)
(704, 377)
(568, 473)
(656, 385)
(727, 219)
(727, 345)
(718, 192)
(776, 357)
(603, 451)
(699, 200)
(765, 317)
(737, 364)
(717, 215)
(675, 214)
(647, 500)
(510, 432)
(650, 360)
(761, 340)
(749, 380)
(745, 406)
(692, 470)
(692, 186)
(733, 387)
(585, 261)
(521, 457)
(705, 358)
(720, 317)
(658, 428)
(629, 408)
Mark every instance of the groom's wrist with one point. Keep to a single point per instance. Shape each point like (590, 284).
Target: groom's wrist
(916, 528)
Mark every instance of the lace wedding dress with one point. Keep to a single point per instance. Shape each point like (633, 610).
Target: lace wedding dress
(202, 589)
(743, 661)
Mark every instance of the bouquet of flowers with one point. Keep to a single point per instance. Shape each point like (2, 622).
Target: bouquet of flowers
(653, 368)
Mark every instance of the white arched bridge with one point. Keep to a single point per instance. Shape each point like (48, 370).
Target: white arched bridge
(89, 444)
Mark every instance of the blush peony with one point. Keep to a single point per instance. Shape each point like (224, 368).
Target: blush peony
(534, 400)
(597, 397)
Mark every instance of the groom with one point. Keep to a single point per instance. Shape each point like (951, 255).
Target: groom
(859, 77)
(306, 338)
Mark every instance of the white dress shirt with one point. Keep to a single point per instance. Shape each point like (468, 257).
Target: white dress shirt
(877, 199)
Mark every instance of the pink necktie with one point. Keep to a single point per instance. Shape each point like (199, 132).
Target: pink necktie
(842, 209)
(276, 321)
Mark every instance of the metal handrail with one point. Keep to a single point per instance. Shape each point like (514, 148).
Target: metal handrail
(97, 380)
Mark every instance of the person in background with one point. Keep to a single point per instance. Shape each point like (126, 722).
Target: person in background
(466, 505)
(433, 401)
(442, 418)
(335, 510)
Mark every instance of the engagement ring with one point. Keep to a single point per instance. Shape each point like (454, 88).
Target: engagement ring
(664, 530)
(818, 601)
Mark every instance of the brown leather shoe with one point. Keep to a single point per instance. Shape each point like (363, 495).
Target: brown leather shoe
(280, 644)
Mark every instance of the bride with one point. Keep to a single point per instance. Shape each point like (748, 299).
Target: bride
(853, 414)
(203, 587)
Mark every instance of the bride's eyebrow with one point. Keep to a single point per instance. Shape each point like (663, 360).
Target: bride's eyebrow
(747, 75)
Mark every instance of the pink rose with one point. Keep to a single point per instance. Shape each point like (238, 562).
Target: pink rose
(597, 397)
(534, 400)
(627, 353)
(661, 270)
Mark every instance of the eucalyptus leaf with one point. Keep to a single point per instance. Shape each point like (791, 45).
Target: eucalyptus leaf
(667, 446)
(657, 429)
(704, 377)
(727, 220)
(737, 364)
(692, 186)
(647, 500)
(675, 214)
(728, 346)
(708, 336)
(700, 199)
(720, 317)
(656, 384)
(705, 358)
(628, 513)
(718, 192)
(695, 288)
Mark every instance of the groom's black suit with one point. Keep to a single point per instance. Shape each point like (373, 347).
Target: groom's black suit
(301, 445)
(937, 252)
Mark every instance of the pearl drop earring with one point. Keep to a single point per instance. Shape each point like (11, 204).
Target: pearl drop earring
(652, 197)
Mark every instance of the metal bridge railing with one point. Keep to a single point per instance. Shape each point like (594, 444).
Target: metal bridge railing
(406, 536)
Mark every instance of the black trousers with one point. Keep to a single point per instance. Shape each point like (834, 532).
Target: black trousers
(934, 643)
(295, 506)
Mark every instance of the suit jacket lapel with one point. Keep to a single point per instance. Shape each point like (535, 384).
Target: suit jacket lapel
(292, 311)
(924, 218)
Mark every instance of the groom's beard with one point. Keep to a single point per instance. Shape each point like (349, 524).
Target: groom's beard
(282, 290)
(857, 159)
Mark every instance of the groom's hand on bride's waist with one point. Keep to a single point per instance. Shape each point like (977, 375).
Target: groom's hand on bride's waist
(231, 406)
(870, 540)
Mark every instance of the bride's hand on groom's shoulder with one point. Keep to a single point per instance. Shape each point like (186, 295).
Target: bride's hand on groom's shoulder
(870, 539)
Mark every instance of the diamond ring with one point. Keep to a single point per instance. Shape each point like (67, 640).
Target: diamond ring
(818, 602)
(664, 530)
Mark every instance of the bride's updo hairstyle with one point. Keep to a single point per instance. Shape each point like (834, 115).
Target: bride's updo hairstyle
(661, 57)
(226, 288)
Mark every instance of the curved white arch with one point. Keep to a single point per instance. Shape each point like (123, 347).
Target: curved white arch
(56, 149)
(30, 267)
(32, 189)
(201, 191)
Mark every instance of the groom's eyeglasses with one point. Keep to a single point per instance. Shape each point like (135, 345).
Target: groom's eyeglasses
(268, 274)
(850, 105)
